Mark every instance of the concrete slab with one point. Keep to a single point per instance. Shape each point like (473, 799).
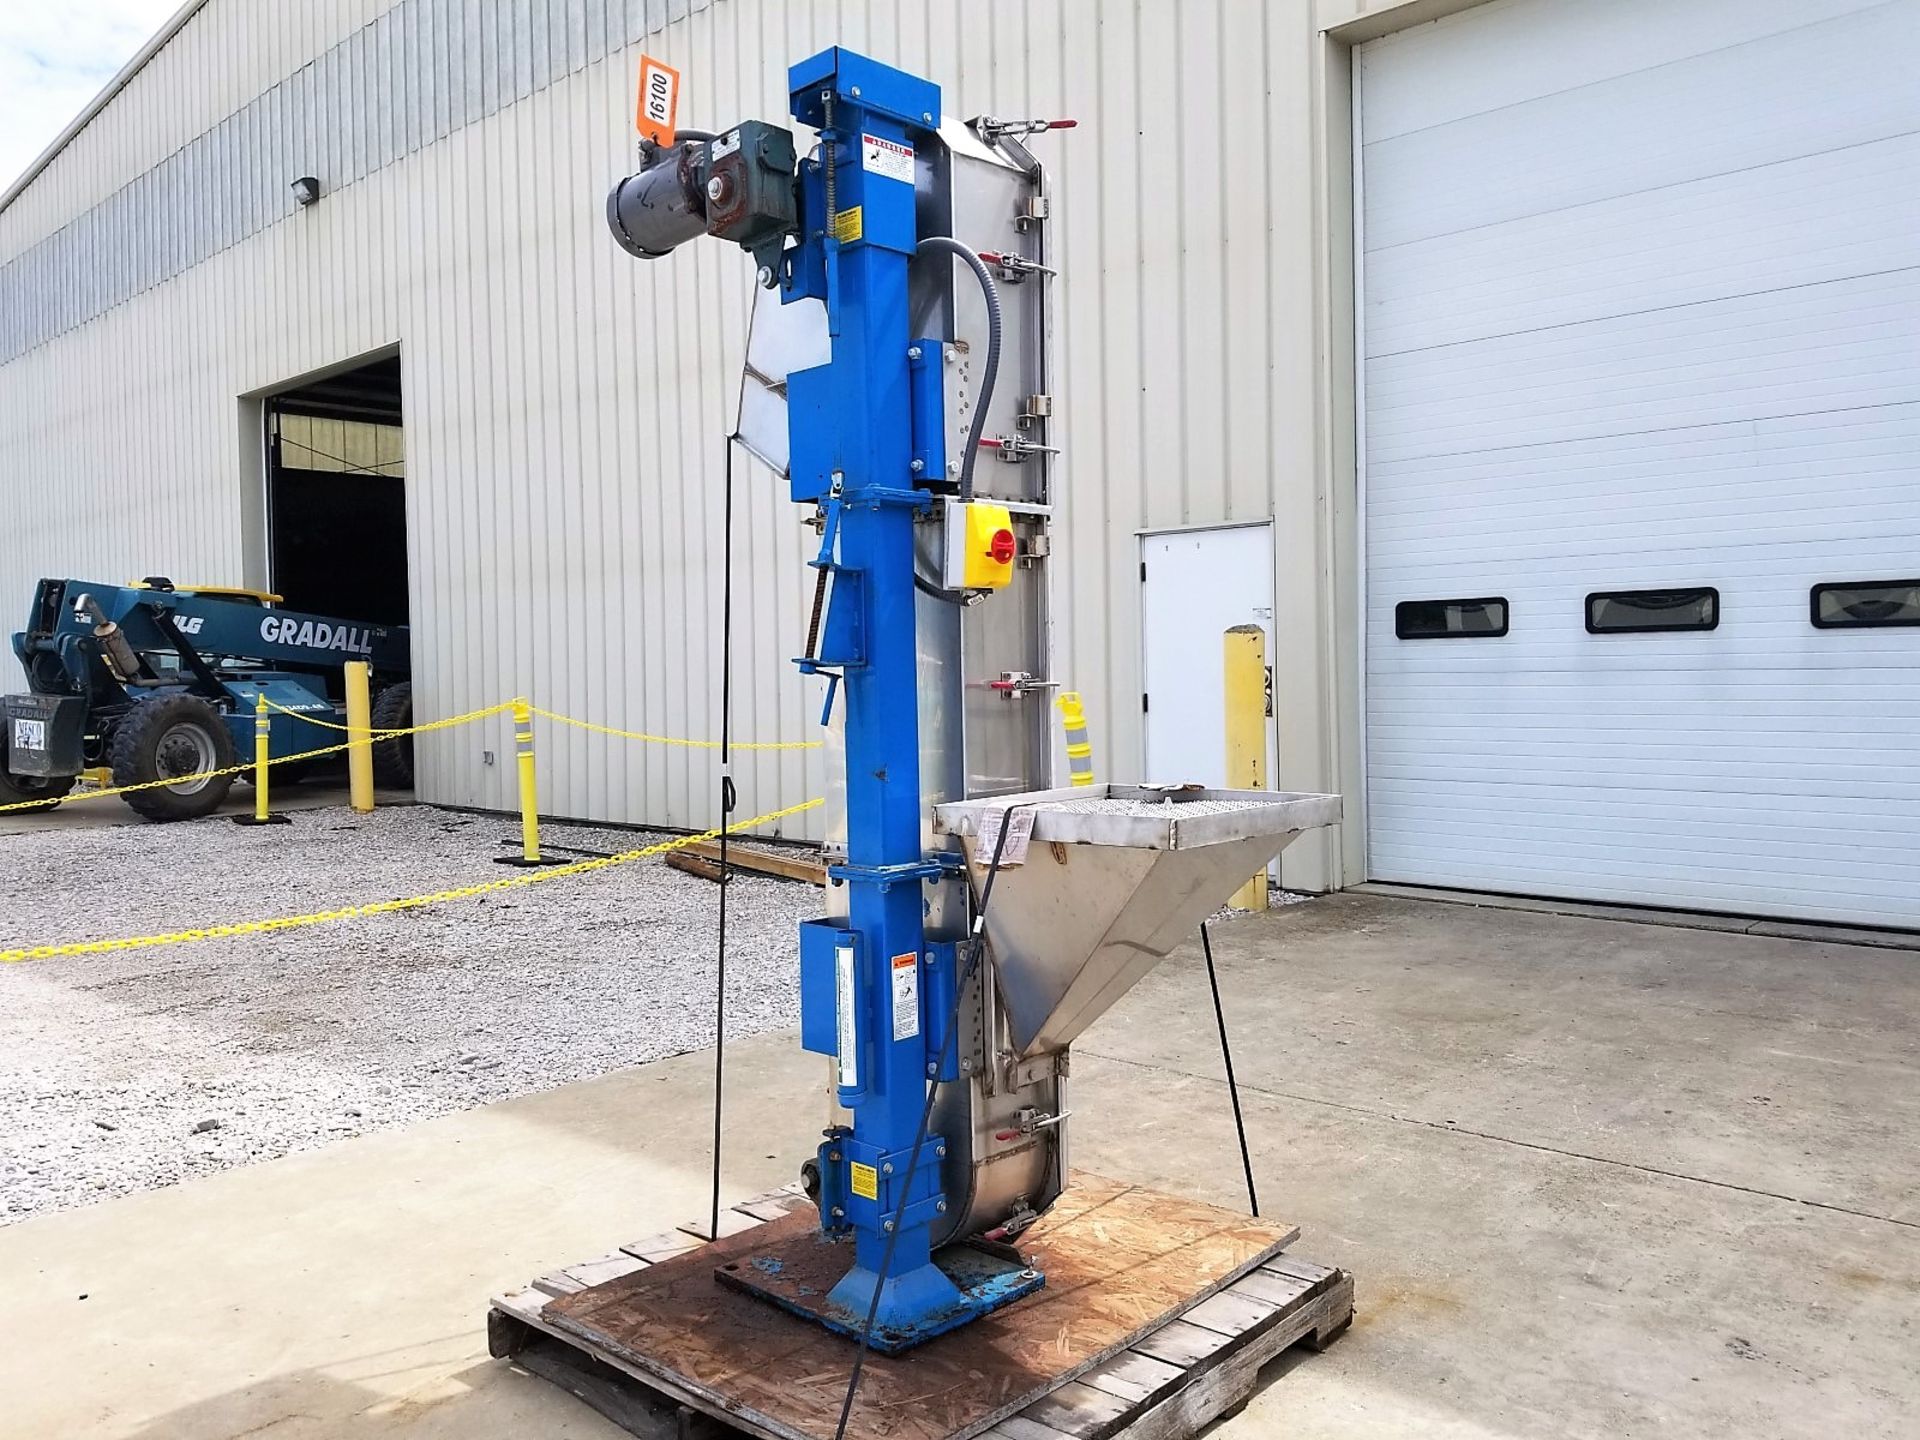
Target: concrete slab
(1788, 1067)
(1640, 915)
(343, 1291)
(1595, 910)
(1838, 934)
(1595, 1179)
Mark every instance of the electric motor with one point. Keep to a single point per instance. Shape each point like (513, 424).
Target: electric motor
(661, 206)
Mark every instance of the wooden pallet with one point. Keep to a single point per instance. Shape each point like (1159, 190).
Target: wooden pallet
(1092, 1364)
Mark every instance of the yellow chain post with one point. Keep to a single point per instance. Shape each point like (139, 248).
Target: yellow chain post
(1073, 720)
(360, 736)
(1246, 708)
(262, 761)
(529, 797)
(109, 789)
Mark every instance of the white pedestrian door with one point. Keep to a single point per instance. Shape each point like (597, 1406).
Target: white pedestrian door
(1194, 586)
(1641, 322)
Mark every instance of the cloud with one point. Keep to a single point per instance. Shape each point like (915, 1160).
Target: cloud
(55, 56)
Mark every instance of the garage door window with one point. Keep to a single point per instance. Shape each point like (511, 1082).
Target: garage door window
(1861, 604)
(1644, 612)
(1450, 619)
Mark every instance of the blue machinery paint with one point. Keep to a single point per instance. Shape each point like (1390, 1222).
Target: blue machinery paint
(873, 993)
(866, 442)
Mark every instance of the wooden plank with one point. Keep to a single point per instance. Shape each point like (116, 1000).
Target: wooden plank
(697, 866)
(1281, 1290)
(789, 1192)
(1182, 1343)
(810, 868)
(1019, 1427)
(1230, 1314)
(558, 1283)
(1077, 1409)
(656, 1248)
(1339, 1312)
(631, 1406)
(606, 1267)
(524, 1305)
(732, 1222)
(1223, 1387)
(1120, 1262)
(670, 1393)
(1134, 1377)
(1170, 1402)
(1298, 1269)
(767, 1209)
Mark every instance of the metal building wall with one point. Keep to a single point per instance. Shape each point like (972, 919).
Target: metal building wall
(564, 404)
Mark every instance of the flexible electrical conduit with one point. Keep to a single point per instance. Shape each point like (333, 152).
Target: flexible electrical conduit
(991, 371)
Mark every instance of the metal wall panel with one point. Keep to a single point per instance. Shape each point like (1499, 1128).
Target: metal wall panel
(187, 206)
(1633, 323)
(564, 403)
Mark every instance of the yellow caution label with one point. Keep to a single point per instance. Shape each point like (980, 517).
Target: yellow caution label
(866, 1181)
(848, 226)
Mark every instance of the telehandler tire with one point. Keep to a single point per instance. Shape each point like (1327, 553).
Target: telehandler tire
(167, 736)
(32, 793)
(393, 756)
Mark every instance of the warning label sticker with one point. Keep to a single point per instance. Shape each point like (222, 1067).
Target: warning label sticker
(847, 1025)
(866, 1181)
(886, 157)
(847, 226)
(1019, 833)
(906, 996)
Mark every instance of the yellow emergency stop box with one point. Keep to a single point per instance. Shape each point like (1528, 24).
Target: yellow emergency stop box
(980, 546)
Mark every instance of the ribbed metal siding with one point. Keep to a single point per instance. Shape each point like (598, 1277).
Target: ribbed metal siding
(335, 118)
(564, 403)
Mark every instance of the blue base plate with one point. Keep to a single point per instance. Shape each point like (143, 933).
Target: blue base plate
(799, 1276)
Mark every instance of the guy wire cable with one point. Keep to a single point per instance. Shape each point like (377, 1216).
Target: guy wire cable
(727, 798)
(1226, 1055)
(978, 938)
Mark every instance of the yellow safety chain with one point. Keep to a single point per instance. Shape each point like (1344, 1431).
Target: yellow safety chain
(377, 734)
(73, 795)
(558, 718)
(386, 907)
(672, 740)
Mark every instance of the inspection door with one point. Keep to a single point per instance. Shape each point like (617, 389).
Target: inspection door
(1195, 585)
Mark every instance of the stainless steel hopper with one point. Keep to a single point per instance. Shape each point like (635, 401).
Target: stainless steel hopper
(1114, 877)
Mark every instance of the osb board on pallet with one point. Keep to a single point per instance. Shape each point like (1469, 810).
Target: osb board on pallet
(1120, 1263)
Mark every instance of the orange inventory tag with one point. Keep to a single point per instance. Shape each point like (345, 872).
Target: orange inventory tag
(659, 101)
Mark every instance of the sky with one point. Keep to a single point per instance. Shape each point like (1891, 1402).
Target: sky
(55, 55)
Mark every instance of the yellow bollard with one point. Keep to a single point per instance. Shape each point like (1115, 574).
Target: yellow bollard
(1246, 707)
(1073, 719)
(262, 744)
(529, 800)
(360, 736)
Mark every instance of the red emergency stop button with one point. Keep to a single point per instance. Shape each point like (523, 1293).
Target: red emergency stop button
(980, 546)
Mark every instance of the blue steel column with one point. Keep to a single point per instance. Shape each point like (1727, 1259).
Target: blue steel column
(862, 399)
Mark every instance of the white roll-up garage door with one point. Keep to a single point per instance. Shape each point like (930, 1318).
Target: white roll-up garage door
(1640, 327)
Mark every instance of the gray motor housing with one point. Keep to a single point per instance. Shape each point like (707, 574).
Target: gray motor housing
(662, 206)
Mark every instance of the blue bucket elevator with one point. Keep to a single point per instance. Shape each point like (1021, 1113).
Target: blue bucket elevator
(958, 972)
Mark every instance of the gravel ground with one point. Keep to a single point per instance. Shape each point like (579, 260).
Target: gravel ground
(124, 1072)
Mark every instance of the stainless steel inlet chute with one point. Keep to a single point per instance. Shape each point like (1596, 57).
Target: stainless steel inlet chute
(1113, 878)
